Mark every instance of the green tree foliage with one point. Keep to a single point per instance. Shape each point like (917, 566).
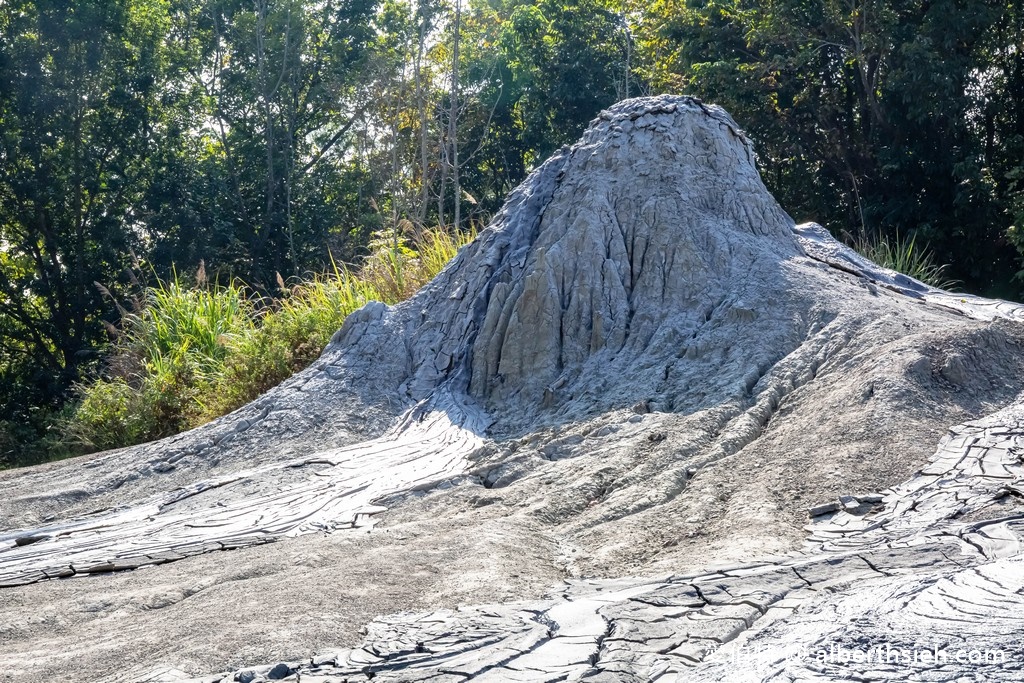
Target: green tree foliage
(79, 94)
(166, 130)
(869, 116)
(272, 138)
(268, 89)
(999, 116)
(540, 71)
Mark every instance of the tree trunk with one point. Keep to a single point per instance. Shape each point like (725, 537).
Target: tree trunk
(453, 115)
(421, 104)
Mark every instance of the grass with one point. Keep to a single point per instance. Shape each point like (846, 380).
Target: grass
(904, 256)
(190, 353)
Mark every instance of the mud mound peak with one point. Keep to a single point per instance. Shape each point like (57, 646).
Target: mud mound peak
(640, 367)
(615, 253)
(659, 218)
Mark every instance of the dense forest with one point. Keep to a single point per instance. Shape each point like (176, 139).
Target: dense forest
(261, 143)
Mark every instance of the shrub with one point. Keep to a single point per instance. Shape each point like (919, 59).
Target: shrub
(189, 328)
(187, 355)
(904, 256)
(31, 437)
(290, 335)
(170, 350)
(109, 416)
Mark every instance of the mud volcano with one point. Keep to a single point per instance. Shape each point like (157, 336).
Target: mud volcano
(644, 428)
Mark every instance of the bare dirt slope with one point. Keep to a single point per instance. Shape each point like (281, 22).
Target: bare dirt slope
(643, 367)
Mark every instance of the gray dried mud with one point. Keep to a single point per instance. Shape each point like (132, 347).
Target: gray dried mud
(586, 451)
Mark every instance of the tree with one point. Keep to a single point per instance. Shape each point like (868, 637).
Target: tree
(865, 112)
(998, 117)
(79, 104)
(535, 73)
(277, 80)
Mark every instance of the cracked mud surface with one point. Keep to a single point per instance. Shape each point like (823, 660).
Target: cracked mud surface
(643, 368)
(427, 448)
(957, 585)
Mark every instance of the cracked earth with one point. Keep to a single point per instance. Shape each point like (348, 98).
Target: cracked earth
(644, 428)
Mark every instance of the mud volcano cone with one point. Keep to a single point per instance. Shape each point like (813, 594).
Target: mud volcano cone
(641, 368)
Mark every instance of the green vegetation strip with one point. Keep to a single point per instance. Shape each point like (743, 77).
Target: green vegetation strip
(189, 354)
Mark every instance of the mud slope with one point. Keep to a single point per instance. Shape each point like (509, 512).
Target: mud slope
(642, 367)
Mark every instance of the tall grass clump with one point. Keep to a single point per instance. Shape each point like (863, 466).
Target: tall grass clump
(289, 335)
(188, 354)
(169, 352)
(292, 332)
(903, 255)
(182, 327)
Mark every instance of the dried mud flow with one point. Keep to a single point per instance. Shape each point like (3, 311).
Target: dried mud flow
(644, 428)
